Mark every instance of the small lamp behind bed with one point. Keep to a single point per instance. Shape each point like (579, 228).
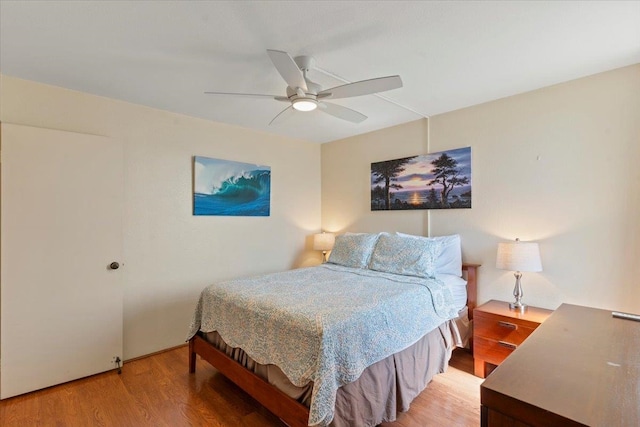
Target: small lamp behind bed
(323, 242)
(518, 256)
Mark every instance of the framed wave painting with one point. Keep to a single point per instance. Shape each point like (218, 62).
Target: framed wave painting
(225, 187)
(432, 181)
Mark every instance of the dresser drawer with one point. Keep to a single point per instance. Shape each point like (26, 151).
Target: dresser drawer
(491, 351)
(499, 328)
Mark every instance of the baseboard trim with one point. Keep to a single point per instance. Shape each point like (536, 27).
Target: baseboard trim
(133, 359)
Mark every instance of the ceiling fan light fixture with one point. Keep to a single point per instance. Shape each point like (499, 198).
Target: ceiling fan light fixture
(305, 104)
(303, 94)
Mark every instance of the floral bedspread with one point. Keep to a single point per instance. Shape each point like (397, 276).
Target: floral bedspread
(324, 324)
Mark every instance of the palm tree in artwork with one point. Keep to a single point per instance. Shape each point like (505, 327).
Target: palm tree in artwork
(387, 172)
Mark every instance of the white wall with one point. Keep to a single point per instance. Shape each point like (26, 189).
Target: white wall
(558, 165)
(171, 255)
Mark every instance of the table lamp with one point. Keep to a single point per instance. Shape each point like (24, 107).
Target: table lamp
(518, 256)
(323, 242)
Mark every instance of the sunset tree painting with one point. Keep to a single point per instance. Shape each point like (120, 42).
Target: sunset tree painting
(431, 181)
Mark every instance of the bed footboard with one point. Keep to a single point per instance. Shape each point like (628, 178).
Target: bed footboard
(289, 410)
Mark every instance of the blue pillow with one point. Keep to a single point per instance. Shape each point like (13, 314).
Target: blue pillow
(450, 259)
(406, 255)
(353, 250)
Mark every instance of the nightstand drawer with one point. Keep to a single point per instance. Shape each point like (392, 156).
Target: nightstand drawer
(498, 331)
(492, 351)
(499, 328)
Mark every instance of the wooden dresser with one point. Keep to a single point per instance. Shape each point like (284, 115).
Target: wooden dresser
(580, 368)
(498, 331)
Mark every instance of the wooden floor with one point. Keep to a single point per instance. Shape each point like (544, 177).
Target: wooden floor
(159, 391)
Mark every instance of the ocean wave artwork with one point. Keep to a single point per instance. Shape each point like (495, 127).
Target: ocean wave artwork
(225, 187)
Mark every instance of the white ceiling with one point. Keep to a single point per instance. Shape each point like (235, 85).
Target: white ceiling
(449, 54)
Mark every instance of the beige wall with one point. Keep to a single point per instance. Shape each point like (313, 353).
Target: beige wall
(346, 184)
(558, 165)
(170, 255)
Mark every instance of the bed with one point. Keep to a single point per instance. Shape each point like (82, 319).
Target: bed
(337, 344)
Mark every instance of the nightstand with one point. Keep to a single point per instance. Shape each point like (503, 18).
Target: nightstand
(498, 331)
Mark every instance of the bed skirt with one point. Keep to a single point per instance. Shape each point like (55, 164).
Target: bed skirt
(384, 388)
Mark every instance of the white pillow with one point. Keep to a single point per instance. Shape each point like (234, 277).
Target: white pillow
(458, 287)
(450, 259)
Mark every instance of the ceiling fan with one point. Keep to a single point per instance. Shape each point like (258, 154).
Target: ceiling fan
(305, 95)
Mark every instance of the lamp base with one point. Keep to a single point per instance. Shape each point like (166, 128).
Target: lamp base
(518, 306)
(517, 292)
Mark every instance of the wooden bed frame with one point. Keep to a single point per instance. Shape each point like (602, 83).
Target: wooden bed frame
(289, 410)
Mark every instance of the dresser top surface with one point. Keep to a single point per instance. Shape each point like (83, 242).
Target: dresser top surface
(581, 364)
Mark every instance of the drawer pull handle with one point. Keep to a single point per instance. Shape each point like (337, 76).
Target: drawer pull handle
(508, 345)
(508, 325)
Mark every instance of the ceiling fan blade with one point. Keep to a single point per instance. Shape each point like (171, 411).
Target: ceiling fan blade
(288, 69)
(249, 95)
(364, 87)
(282, 115)
(341, 112)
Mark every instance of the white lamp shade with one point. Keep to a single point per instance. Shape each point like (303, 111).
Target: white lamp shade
(323, 241)
(519, 256)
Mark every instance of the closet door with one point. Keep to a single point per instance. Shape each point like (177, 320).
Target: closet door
(61, 230)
